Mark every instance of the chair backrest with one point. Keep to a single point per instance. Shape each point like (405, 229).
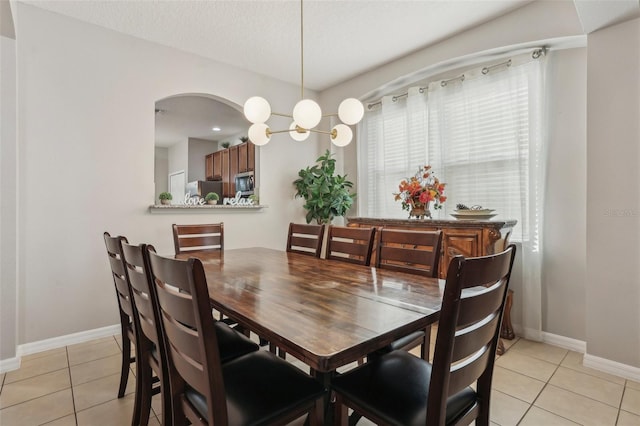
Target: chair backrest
(305, 239)
(193, 355)
(416, 252)
(350, 244)
(206, 237)
(144, 295)
(468, 330)
(114, 252)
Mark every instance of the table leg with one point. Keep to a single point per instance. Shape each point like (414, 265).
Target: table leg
(325, 379)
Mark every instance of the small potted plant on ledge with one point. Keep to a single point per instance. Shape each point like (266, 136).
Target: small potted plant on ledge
(225, 145)
(212, 198)
(165, 198)
(243, 139)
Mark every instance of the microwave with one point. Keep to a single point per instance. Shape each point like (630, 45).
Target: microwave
(245, 183)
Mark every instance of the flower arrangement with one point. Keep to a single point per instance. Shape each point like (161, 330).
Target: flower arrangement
(421, 189)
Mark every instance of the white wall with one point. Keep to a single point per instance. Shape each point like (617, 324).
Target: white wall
(161, 170)
(8, 217)
(565, 239)
(85, 96)
(198, 150)
(613, 188)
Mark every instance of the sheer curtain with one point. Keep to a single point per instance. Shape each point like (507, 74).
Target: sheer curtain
(483, 136)
(485, 140)
(394, 145)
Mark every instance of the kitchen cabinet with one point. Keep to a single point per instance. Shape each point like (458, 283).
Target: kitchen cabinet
(251, 157)
(246, 157)
(213, 166)
(224, 161)
(225, 164)
(217, 165)
(208, 167)
(233, 169)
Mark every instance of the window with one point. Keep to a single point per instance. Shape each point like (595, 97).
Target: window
(481, 136)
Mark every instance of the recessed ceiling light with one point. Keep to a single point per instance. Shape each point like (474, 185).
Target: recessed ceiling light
(216, 129)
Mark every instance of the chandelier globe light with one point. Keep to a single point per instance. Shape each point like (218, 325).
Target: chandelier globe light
(306, 115)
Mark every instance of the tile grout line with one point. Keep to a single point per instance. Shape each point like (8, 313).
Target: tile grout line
(575, 393)
(546, 383)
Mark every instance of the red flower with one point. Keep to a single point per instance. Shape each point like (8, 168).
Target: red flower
(421, 189)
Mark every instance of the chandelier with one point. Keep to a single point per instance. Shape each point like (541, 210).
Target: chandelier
(306, 113)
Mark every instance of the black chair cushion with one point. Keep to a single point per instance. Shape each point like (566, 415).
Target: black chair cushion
(260, 387)
(395, 387)
(231, 343)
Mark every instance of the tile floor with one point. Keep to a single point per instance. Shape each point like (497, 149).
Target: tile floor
(534, 385)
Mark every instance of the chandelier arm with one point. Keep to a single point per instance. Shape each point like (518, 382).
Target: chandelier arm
(335, 114)
(280, 114)
(280, 131)
(333, 132)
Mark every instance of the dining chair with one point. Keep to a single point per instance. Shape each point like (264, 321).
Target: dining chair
(305, 239)
(204, 237)
(414, 252)
(350, 244)
(400, 389)
(151, 348)
(125, 308)
(257, 388)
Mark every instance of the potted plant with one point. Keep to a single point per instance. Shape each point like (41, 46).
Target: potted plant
(225, 145)
(212, 198)
(326, 194)
(243, 139)
(165, 198)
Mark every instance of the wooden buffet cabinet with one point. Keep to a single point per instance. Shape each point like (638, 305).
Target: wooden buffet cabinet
(223, 165)
(469, 238)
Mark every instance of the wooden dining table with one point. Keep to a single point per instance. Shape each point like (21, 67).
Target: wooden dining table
(326, 313)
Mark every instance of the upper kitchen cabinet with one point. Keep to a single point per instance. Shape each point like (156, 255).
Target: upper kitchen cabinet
(246, 157)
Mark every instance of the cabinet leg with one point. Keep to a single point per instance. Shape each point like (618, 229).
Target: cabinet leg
(507, 329)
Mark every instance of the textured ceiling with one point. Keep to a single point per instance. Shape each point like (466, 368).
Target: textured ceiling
(342, 38)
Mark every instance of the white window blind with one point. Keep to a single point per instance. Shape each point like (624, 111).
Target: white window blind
(479, 139)
(395, 145)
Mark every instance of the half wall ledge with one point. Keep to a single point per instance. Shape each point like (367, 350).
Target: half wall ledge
(204, 209)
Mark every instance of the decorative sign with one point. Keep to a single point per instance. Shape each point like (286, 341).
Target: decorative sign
(193, 201)
(238, 200)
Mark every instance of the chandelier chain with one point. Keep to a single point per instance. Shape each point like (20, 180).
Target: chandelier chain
(301, 52)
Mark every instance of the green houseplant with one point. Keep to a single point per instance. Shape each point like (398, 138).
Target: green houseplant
(243, 138)
(212, 198)
(326, 194)
(225, 145)
(165, 197)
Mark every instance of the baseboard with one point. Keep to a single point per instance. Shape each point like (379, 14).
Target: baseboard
(564, 342)
(9, 364)
(612, 367)
(69, 339)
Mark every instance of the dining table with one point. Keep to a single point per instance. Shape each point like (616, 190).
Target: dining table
(326, 313)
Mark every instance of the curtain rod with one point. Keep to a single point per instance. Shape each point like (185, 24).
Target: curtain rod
(537, 53)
